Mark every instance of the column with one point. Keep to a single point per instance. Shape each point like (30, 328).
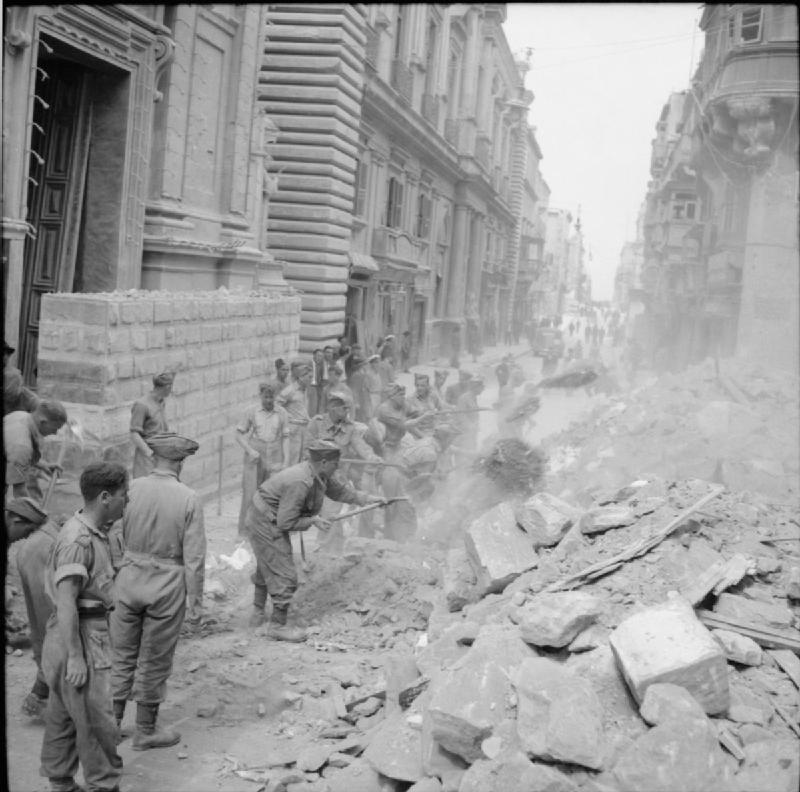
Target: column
(455, 287)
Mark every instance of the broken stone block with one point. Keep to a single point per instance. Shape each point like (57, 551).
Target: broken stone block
(312, 758)
(739, 648)
(504, 739)
(667, 643)
(752, 733)
(559, 716)
(771, 766)
(742, 713)
(663, 702)
(395, 750)
(459, 582)
(676, 756)
(556, 619)
(498, 549)
(793, 584)
(514, 772)
(469, 699)
(546, 519)
(437, 761)
(442, 652)
(588, 639)
(359, 776)
(753, 611)
(603, 518)
(427, 785)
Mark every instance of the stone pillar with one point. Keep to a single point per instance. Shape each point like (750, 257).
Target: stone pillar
(455, 286)
(476, 243)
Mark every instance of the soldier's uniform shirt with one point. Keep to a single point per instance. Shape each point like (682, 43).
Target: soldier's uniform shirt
(278, 504)
(79, 722)
(293, 399)
(21, 442)
(343, 433)
(394, 419)
(416, 406)
(160, 575)
(374, 387)
(147, 419)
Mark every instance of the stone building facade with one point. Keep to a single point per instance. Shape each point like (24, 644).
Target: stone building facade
(396, 161)
(135, 157)
(721, 256)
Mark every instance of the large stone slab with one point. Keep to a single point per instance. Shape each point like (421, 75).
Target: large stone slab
(499, 550)
(470, 699)
(667, 643)
(438, 761)
(559, 716)
(753, 611)
(603, 518)
(459, 581)
(395, 749)
(546, 518)
(514, 772)
(360, 776)
(677, 756)
(555, 619)
(770, 766)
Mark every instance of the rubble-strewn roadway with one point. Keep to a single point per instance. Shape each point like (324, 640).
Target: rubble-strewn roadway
(633, 626)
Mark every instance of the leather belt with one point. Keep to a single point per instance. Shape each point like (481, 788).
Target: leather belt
(298, 421)
(137, 556)
(89, 608)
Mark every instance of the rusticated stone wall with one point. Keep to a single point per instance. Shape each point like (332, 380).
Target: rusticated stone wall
(99, 352)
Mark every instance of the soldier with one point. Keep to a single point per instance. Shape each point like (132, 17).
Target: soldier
(439, 378)
(15, 395)
(281, 378)
(293, 399)
(79, 723)
(24, 516)
(421, 405)
(336, 383)
(22, 436)
(338, 428)
(374, 382)
(162, 567)
(262, 434)
(291, 501)
(400, 519)
(147, 419)
(358, 385)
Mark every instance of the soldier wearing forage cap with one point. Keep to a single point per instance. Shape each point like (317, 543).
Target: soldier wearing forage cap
(24, 518)
(291, 501)
(293, 399)
(22, 437)
(262, 434)
(439, 378)
(147, 419)
(161, 569)
(79, 722)
(421, 404)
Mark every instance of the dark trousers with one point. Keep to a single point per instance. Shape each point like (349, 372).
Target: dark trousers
(274, 563)
(79, 722)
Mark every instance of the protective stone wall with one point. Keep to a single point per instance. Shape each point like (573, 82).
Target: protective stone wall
(99, 352)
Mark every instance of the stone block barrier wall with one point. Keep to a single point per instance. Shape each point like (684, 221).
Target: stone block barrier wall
(99, 352)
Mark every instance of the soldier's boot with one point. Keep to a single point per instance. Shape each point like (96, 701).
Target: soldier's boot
(280, 631)
(257, 617)
(148, 735)
(65, 784)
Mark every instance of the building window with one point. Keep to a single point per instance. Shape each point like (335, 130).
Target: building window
(394, 204)
(750, 26)
(423, 228)
(431, 45)
(684, 206)
(360, 194)
(399, 32)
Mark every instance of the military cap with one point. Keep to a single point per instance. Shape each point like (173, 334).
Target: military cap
(374, 357)
(170, 445)
(300, 363)
(421, 378)
(323, 450)
(7, 348)
(28, 509)
(357, 361)
(52, 410)
(389, 337)
(338, 397)
(164, 378)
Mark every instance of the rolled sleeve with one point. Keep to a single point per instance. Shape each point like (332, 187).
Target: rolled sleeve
(138, 417)
(245, 426)
(72, 560)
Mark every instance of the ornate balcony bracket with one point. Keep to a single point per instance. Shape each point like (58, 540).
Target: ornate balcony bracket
(746, 127)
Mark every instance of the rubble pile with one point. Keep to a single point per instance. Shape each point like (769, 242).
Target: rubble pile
(738, 429)
(645, 640)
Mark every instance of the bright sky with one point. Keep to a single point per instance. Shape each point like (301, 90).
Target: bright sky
(600, 74)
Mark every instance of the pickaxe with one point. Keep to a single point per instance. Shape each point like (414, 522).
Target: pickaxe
(362, 509)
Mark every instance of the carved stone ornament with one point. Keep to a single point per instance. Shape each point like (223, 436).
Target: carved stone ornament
(164, 51)
(754, 118)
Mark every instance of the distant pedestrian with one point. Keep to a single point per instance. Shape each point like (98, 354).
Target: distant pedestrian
(319, 379)
(374, 382)
(386, 366)
(439, 378)
(405, 350)
(571, 328)
(293, 399)
(362, 403)
(281, 378)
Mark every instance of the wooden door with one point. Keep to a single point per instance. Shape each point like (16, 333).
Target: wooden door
(60, 147)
